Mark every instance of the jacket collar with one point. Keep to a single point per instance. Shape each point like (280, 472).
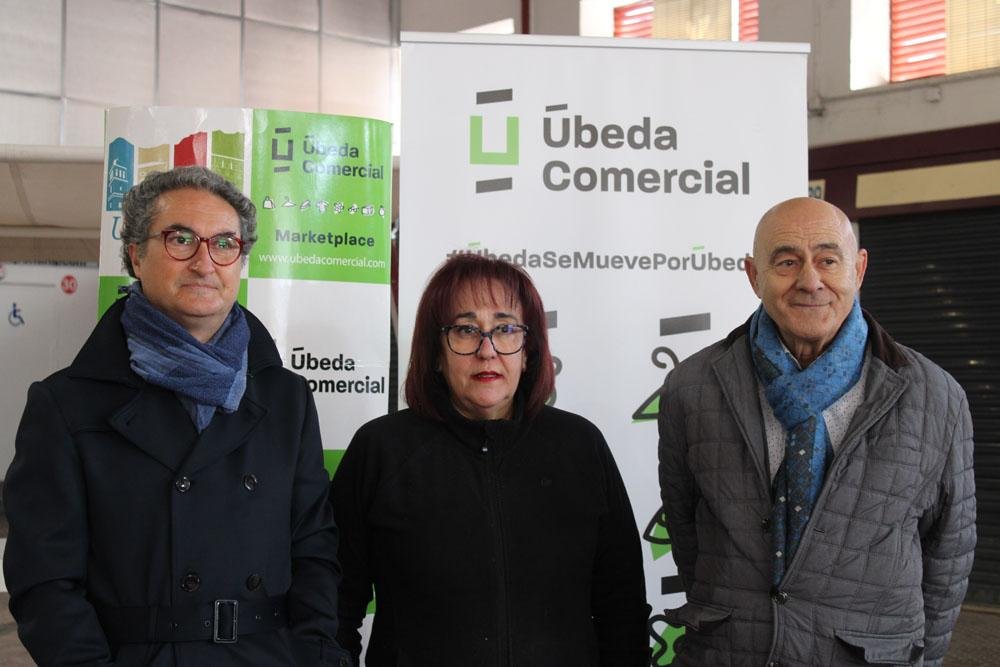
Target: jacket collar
(476, 432)
(738, 381)
(880, 343)
(105, 355)
(154, 420)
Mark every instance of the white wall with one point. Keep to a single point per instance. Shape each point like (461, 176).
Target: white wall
(840, 115)
(338, 56)
(50, 323)
(63, 61)
(548, 17)
(456, 15)
(555, 17)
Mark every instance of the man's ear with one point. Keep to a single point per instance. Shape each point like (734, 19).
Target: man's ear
(860, 266)
(751, 271)
(136, 259)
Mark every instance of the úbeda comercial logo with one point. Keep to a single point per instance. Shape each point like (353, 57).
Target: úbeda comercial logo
(506, 158)
(569, 135)
(334, 374)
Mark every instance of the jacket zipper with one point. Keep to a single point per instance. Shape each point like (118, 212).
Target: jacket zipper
(496, 511)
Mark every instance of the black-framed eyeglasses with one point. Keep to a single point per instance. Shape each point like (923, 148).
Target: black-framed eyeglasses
(183, 244)
(467, 339)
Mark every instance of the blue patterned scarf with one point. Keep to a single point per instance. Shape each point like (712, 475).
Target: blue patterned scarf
(798, 398)
(207, 376)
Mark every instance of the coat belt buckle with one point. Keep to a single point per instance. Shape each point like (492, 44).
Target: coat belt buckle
(224, 624)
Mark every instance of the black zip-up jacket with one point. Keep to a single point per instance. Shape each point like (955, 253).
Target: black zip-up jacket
(489, 544)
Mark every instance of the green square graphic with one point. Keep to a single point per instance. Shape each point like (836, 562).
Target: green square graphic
(331, 459)
(227, 156)
(108, 291)
(323, 190)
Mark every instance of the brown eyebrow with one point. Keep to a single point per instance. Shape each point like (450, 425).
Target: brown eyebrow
(829, 245)
(781, 249)
(469, 315)
(176, 227)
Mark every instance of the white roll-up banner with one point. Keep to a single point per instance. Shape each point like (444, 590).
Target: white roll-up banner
(626, 176)
(318, 276)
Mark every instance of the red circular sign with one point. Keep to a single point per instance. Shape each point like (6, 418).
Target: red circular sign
(68, 284)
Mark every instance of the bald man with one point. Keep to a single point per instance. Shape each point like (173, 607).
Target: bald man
(816, 475)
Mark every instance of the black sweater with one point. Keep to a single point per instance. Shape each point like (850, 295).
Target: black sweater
(489, 544)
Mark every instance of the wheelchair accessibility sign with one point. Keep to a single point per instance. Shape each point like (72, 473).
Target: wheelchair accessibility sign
(14, 317)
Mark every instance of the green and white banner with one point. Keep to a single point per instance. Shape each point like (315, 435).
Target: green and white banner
(627, 177)
(318, 276)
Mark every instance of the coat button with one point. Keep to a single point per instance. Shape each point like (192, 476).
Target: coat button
(254, 581)
(779, 597)
(190, 582)
(765, 524)
(250, 481)
(182, 484)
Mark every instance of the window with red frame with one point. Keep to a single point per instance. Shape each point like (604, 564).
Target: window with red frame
(636, 20)
(917, 36)
(935, 37)
(749, 20)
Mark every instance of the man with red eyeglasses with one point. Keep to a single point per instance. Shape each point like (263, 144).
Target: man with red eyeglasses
(167, 499)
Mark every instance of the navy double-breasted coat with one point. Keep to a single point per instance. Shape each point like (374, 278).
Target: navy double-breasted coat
(118, 508)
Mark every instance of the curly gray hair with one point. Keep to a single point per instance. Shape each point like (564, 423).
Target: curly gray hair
(140, 206)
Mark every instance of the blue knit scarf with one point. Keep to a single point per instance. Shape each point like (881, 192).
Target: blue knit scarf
(798, 398)
(206, 376)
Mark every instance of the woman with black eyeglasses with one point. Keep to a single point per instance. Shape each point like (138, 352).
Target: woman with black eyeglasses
(494, 530)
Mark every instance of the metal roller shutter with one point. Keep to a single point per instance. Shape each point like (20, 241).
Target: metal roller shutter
(933, 282)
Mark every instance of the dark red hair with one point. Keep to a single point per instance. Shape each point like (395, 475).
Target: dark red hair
(425, 386)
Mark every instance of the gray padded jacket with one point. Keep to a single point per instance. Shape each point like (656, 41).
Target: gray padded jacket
(883, 567)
